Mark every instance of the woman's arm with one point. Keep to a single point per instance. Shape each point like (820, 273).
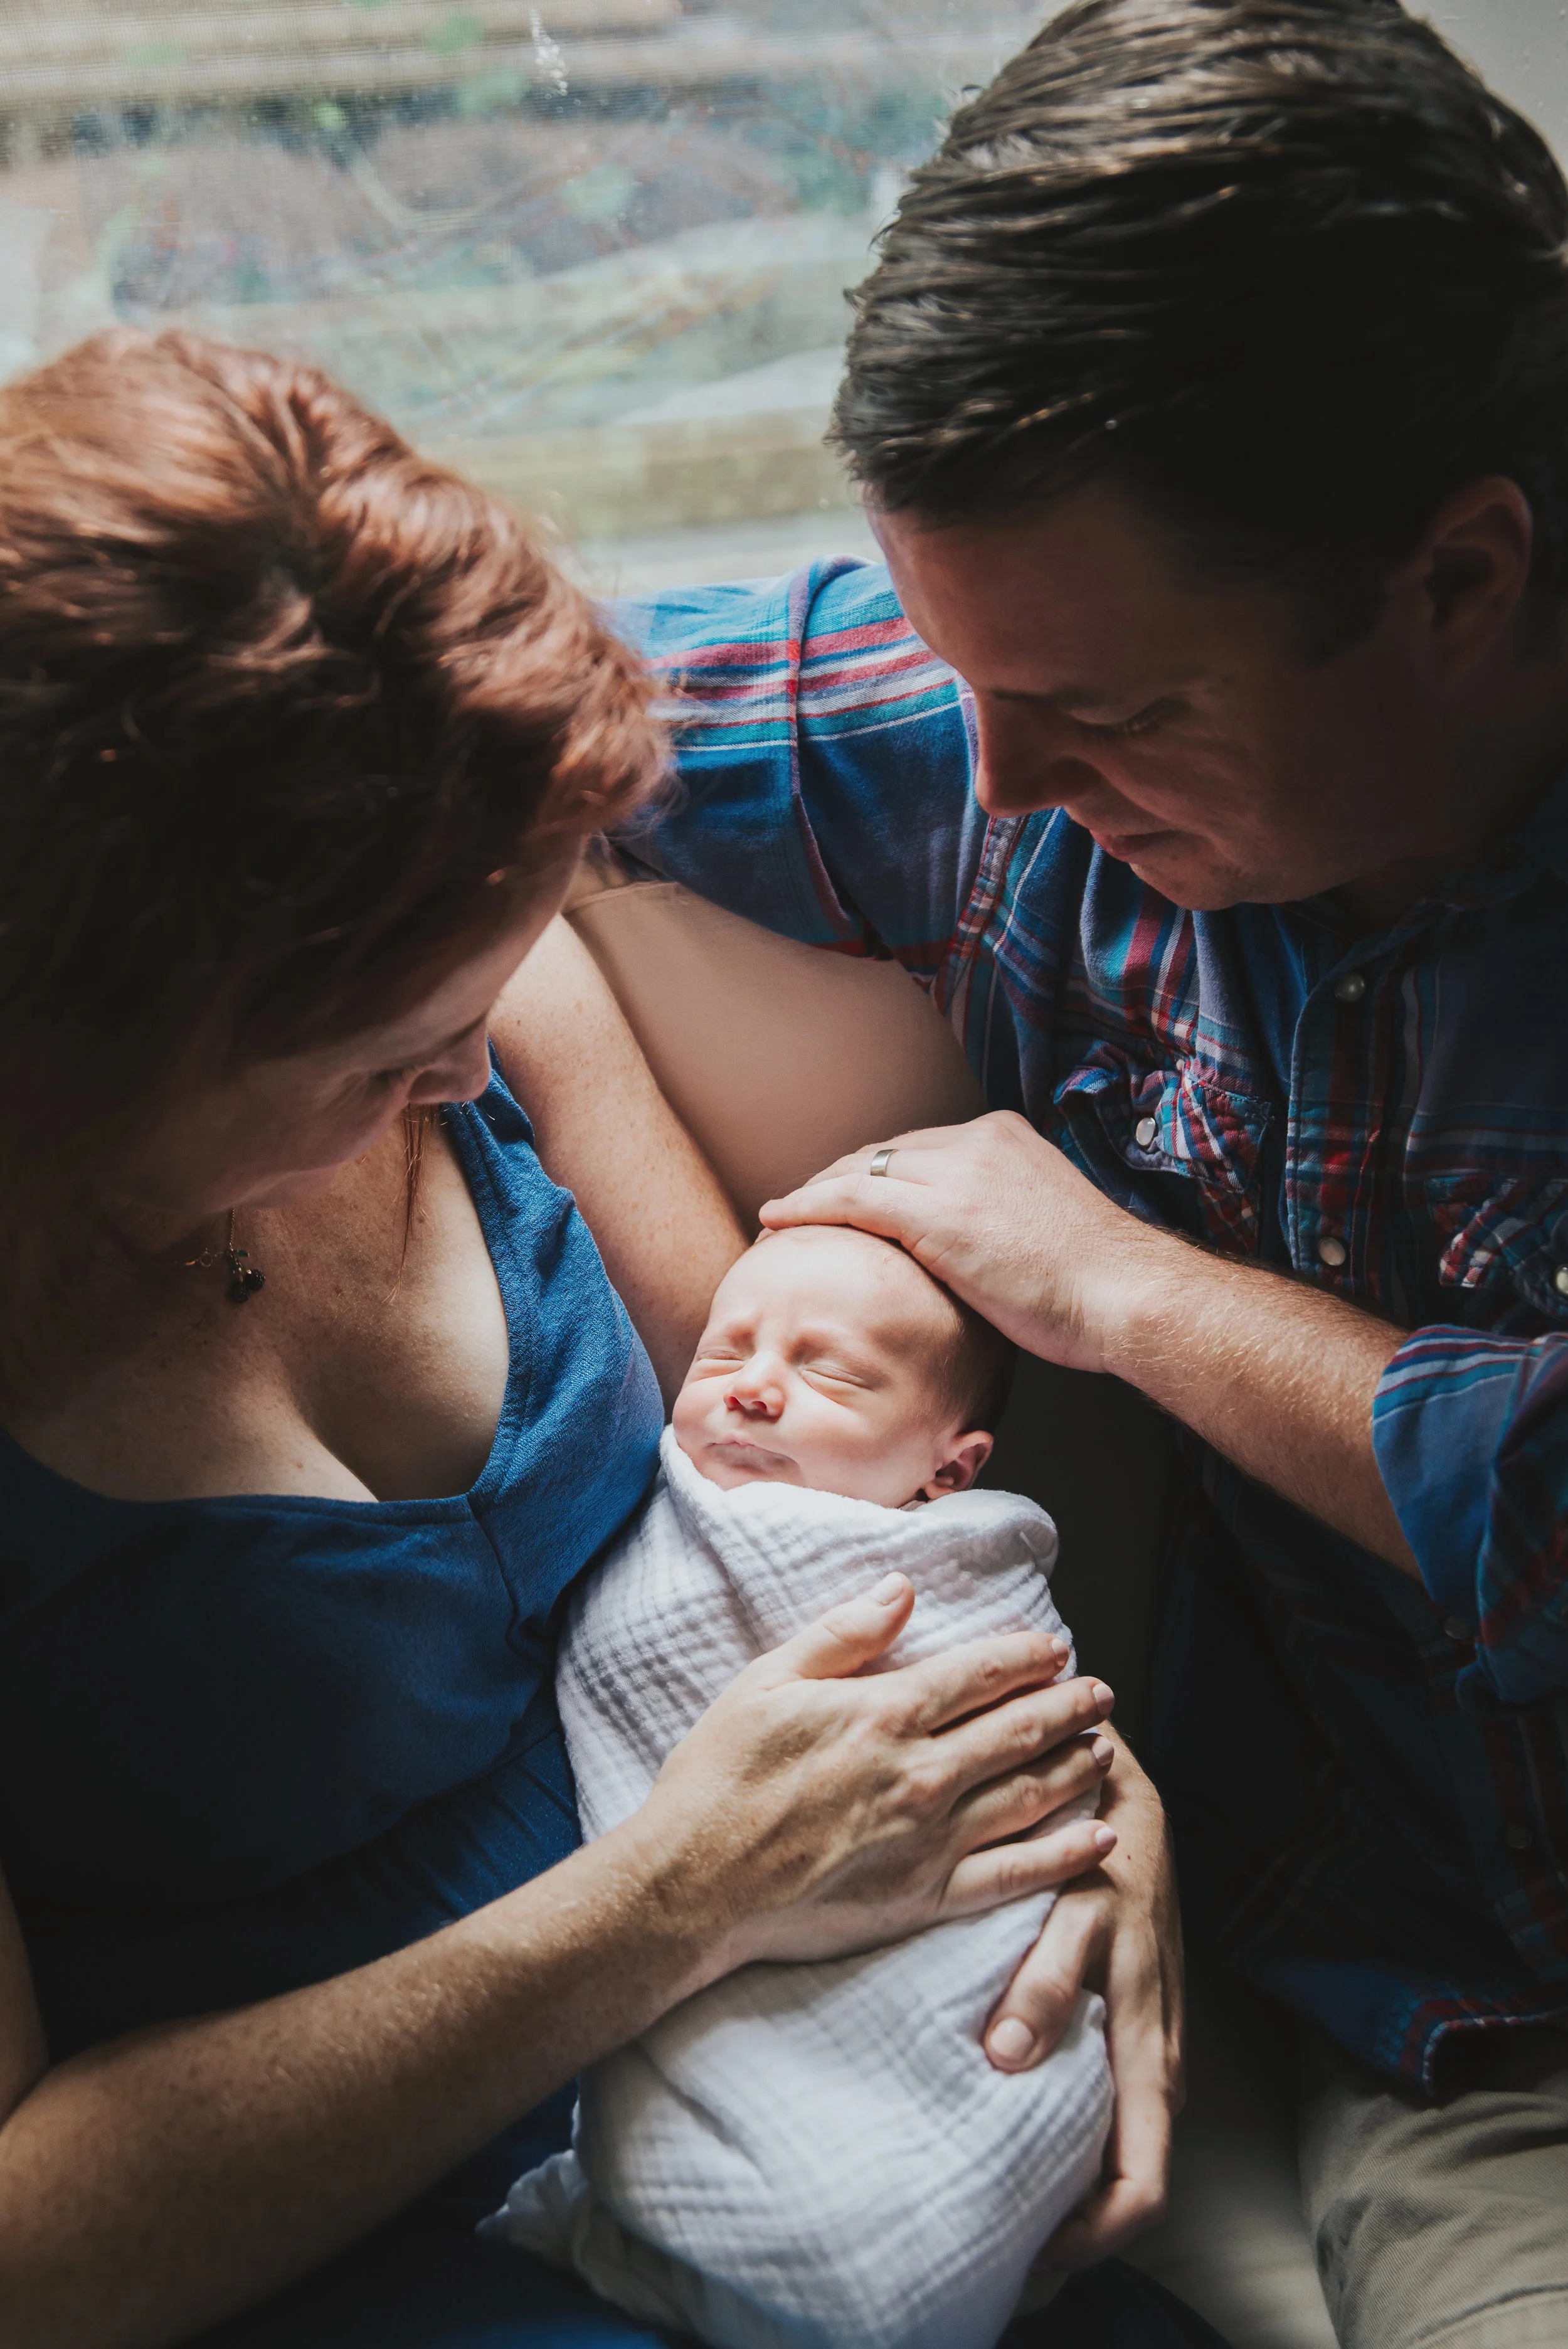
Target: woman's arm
(153, 2185)
(664, 1228)
(161, 2181)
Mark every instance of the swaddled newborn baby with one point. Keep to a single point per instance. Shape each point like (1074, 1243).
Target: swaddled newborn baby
(815, 2155)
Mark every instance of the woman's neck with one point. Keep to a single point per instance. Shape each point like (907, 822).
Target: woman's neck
(82, 1279)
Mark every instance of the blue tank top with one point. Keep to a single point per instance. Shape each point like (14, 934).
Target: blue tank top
(246, 1743)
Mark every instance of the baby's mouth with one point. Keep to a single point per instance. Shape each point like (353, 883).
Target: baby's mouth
(736, 1452)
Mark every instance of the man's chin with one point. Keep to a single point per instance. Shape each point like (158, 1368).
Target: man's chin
(1199, 885)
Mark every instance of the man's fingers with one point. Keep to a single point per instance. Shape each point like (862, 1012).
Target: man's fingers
(873, 1203)
(1039, 2003)
(848, 1637)
(853, 1161)
(924, 1137)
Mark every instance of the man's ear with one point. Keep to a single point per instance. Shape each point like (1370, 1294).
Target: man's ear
(967, 1456)
(1466, 580)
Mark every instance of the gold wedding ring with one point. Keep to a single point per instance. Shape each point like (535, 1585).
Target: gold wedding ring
(880, 1161)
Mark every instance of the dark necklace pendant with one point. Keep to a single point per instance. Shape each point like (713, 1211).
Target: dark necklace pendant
(243, 1279)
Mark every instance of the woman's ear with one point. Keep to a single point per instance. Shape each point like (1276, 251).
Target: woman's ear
(967, 1456)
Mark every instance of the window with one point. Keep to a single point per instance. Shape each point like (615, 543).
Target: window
(594, 252)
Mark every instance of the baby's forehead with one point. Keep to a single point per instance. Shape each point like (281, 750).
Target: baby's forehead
(833, 1267)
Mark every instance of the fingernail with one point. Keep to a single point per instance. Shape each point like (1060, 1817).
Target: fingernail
(1104, 1840)
(1104, 1752)
(1105, 1698)
(890, 1587)
(1012, 2042)
(1060, 1651)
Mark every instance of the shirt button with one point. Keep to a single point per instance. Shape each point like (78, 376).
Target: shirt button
(1518, 1839)
(1455, 1628)
(1350, 989)
(1332, 1252)
(1560, 1281)
(1144, 1131)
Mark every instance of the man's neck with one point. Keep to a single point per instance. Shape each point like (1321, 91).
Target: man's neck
(1512, 763)
(1380, 899)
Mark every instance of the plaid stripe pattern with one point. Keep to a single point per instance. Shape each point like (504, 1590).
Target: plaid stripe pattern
(1369, 1776)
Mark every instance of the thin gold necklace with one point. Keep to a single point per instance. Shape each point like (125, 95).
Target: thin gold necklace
(244, 1279)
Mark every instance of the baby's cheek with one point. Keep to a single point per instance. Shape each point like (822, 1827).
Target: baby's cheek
(854, 1439)
(851, 1454)
(687, 1413)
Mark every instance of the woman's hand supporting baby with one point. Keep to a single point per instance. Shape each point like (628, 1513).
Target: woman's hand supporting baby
(858, 1807)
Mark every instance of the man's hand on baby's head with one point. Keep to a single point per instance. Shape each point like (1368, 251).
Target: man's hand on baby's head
(832, 1361)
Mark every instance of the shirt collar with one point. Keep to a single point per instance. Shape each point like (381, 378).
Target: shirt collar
(1538, 843)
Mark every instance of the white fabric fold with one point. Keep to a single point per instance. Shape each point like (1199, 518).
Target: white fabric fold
(815, 2155)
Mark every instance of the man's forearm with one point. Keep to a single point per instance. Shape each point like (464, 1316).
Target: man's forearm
(1275, 1374)
(1278, 1376)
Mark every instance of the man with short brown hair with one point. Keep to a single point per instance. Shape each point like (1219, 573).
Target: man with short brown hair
(1211, 401)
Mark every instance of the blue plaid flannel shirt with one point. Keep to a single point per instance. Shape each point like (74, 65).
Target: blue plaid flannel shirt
(1368, 1778)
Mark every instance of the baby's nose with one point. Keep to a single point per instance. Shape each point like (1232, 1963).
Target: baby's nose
(753, 1397)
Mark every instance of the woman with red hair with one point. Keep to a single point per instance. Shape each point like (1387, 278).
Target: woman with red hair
(316, 1396)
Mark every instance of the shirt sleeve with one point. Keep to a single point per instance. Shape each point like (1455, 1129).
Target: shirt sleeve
(823, 762)
(1471, 1438)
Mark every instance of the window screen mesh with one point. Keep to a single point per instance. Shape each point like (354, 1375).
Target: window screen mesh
(594, 250)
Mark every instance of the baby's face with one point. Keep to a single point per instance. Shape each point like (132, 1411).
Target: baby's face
(821, 1365)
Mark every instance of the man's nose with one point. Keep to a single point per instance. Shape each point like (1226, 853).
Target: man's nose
(1028, 761)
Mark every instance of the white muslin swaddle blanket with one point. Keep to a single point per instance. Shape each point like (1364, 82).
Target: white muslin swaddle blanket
(814, 2156)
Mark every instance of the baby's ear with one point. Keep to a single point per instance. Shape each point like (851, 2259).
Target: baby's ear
(967, 1456)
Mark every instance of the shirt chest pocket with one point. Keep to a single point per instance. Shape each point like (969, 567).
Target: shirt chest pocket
(1506, 1243)
(1132, 1127)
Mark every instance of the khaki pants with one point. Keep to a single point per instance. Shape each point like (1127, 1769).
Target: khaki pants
(1442, 2225)
(1427, 2226)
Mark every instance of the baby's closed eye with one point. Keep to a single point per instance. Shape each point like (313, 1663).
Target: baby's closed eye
(827, 1374)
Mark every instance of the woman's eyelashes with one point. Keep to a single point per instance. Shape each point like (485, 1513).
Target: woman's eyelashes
(384, 1081)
